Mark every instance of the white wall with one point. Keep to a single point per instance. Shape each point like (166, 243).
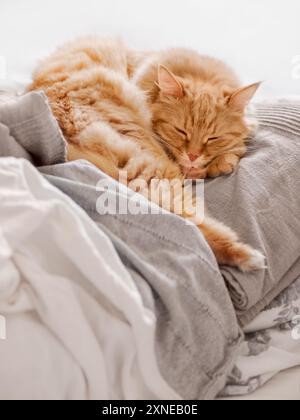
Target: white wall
(258, 37)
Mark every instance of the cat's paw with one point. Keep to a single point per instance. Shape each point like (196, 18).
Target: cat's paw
(147, 168)
(136, 167)
(196, 173)
(223, 165)
(246, 258)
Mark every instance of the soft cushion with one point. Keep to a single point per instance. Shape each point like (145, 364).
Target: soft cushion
(261, 201)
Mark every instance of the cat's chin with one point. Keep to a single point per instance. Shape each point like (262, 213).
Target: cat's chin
(194, 173)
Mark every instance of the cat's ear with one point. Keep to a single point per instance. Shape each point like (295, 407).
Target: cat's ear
(168, 83)
(241, 98)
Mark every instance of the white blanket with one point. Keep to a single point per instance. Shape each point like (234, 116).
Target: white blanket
(76, 326)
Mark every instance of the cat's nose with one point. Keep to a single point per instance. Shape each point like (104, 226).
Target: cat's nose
(192, 157)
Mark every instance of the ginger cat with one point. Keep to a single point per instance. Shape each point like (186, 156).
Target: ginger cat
(168, 115)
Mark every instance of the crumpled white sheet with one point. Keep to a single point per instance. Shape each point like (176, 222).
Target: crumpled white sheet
(76, 325)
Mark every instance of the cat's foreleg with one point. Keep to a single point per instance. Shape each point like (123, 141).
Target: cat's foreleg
(90, 153)
(110, 151)
(223, 165)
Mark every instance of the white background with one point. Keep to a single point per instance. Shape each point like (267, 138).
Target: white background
(259, 38)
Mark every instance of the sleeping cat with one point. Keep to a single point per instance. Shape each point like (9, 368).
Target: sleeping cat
(166, 115)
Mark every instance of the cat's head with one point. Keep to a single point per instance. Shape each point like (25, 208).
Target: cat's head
(197, 122)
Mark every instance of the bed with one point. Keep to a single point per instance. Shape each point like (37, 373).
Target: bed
(268, 365)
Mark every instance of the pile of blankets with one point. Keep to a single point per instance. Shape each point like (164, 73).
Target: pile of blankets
(104, 306)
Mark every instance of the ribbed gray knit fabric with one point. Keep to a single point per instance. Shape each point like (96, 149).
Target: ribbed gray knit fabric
(29, 130)
(284, 116)
(261, 201)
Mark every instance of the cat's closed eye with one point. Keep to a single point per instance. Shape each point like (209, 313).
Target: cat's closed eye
(181, 132)
(213, 139)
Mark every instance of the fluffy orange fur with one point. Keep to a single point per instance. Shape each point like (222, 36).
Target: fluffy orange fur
(166, 115)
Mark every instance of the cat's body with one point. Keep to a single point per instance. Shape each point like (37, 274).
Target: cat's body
(167, 115)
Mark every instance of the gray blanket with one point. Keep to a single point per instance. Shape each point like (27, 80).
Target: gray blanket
(262, 203)
(29, 130)
(197, 335)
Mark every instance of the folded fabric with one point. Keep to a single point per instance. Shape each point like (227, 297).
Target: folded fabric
(197, 334)
(76, 325)
(10, 147)
(261, 202)
(29, 130)
(194, 357)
